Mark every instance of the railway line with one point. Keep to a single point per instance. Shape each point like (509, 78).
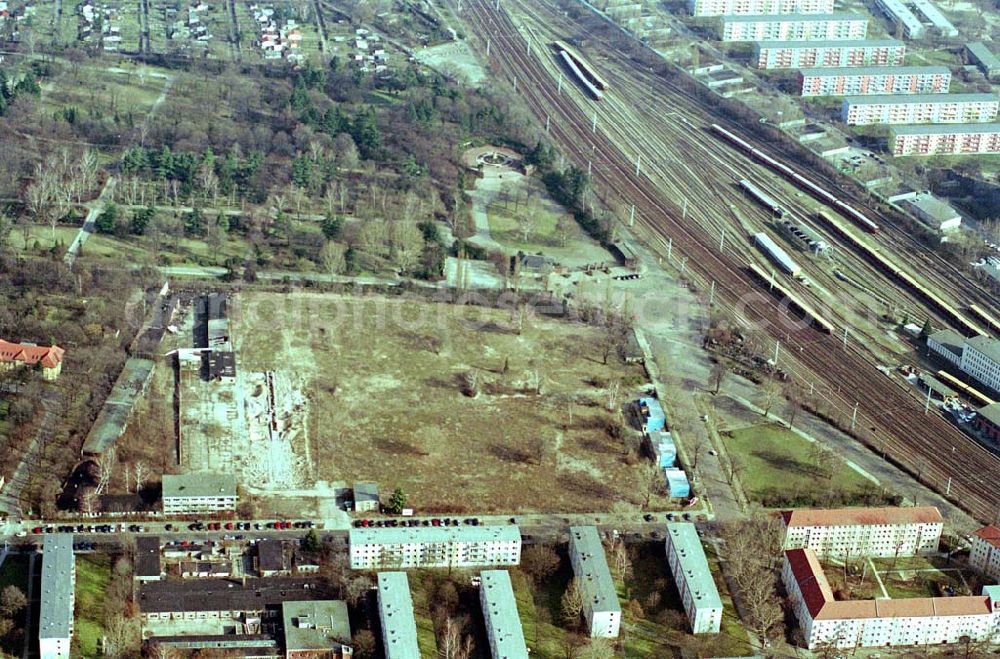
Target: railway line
(886, 408)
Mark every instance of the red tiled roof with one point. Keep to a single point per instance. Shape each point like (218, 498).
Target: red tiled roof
(860, 516)
(808, 573)
(990, 534)
(31, 355)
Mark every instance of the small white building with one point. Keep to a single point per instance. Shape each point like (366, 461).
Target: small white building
(197, 493)
(503, 625)
(434, 546)
(693, 577)
(864, 531)
(936, 214)
(985, 554)
(590, 566)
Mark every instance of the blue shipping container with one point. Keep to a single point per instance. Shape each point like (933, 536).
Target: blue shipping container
(663, 448)
(652, 415)
(677, 483)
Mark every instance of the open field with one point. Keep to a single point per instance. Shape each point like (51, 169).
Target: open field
(451, 403)
(778, 463)
(93, 576)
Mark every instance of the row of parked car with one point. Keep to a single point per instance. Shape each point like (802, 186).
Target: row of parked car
(246, 526)
(434, 521)
(87, 528)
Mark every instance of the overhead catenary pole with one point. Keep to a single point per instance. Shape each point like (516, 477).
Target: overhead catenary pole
(845, 339)
(684, 213)
(638, 163)
(927, 402)
(560, 83)
(854, 416)
(631, 216)
(722, 240)
(487, 49)
(670, 249)
(547, 121)
(777, 351)
(711, 294)
(593, 125)
(590, 167)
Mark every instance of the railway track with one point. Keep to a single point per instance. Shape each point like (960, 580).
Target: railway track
(897, 426)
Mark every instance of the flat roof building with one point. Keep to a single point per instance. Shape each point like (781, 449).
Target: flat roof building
(434, 546)
(270, 559)
(688, 564)
(944, 139)
(395, 612)
(758, 7)
(198, 492)
(919, 109)
(590, 566)
(837, 81)
(883, 623)
(929, 11)
(981, 360)
(503, 625)
(317, 629)
(936, 214)
(900, 14)
(859, 532)
(947, 344)
(58, 592)
(983, 58)
(802, 54)
(147, 558)
(985, 553)
(826, 27)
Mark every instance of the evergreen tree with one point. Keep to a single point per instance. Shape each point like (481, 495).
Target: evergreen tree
(331, 227)
(398, 501)
(107, 220)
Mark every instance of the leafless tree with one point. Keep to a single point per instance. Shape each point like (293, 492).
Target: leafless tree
(539, 562)
(571, 604)
(106, 465)
(407, 243)
(452, 643)
(717, 376)
(332, 255)
(140, 472)
(769, 392)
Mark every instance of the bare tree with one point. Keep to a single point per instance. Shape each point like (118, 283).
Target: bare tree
(106, 465)
(539, 562)
(769, 391)
(453, 644)
(332, 255)
(571, 604)
(141, 472)
(407, 244)
(717, 376)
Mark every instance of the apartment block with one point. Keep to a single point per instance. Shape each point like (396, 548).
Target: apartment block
(590, 566)
(503, 625)
(395, 613)
(803, 54)
(198, 493)
(985, 554)
(686, 558)
(434, 546)
(883, 623)
(920, 109)
(758, 7)
(944, 139)
(824, 27)
(981, 360)
(55, 623)
(836, 81)
(900, 14)
(873, 532)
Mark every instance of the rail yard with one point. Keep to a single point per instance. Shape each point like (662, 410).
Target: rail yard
(648, 143)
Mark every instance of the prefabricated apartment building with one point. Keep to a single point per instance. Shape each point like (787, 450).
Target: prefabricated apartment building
(434, 546)
(590, 566)
(686, 558)
(836, 81)
(701, 8)
(803, 54)
(825, 27)
(920, 109)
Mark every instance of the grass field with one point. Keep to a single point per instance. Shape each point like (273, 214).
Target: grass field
(14, 572)
(777, 462)
(93, 575)
(386, 381)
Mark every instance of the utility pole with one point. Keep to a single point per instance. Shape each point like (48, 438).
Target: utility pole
(560, 83)
(487, 49)
(593, 126)
(590, 167)
(777, 350)
(711, 294)
(631, 216)
(927, 402)
(854, 416)
(670, 249)
(722, 240)
(845, 339)
(547, 121)
(638, 162)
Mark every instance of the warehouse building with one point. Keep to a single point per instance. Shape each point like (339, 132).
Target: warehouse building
(434, 546)
(933, 15)
(947, 344)
(686, 558)
(395, 613)
(919, 109)
(883, 623)
(803, 54)
(823, 27)
(316, 629)
(899, 14)
(197, 493)
(978, 54)
(944, 139)
(503, 625)
(876, 532)
(936, 214)
(58, 590)
(148, 566)
(987, 421)
(758, 7)
(826, 81)
(600, 600)
(985, 553)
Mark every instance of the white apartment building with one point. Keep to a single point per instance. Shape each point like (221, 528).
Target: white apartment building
(864, 531)
(395, 613)
(686, 558)
(897, 12)
(883, 623)
(55, 624)
(803, 54)
(503, 625)
(434, 546)
(836, 81)
(590, 566)
(758, 7)
(919, 109)
(985, 554)
(198, 493)
(944, 139)
(825, 27)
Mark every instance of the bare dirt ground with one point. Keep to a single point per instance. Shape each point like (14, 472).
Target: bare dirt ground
(384, 377)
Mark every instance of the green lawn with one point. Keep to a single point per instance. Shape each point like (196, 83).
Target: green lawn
(539, 610)
(505, 226)
(426, 639)
(779, 470)
(93, 576)
(14, 572)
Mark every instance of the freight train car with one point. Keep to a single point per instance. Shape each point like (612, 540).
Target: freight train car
(815, 319)
(958, 385)
(593, 76)
(986, 317)
(570, 64)
(797, 179)
(762, 198)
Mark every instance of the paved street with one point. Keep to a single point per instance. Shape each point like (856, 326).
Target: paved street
(89, 222)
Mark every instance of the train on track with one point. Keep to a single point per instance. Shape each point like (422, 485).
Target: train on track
(874, 255)
(814, 318)
(797, 179)
(591, 81)
(762, 198)
(958, 385)
(987, 318)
